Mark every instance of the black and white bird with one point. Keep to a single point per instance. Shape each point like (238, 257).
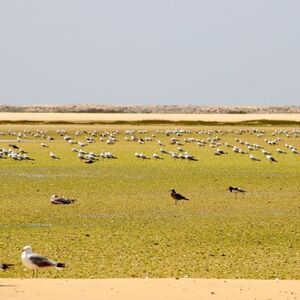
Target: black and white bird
(4, 267)
(54, 199)
(156, 156)
(220, 152)
(271, 158)
(53, 156)
(35, 261)
(177, 196)
(280, 151)
(236, 190)
(252, 157)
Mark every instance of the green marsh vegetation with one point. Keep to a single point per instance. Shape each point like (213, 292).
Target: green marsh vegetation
(124, 222)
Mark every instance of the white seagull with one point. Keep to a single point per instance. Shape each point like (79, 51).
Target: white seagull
(252, 157)
(35, 261)
(156, 156)
(54, 199)
(54, 156)
(280, 151)
(271, 158)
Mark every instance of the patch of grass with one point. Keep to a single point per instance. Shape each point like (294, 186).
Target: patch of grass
(125, 224)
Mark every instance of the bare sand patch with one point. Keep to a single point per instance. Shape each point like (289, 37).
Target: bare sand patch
(131, 289)
(85, 117)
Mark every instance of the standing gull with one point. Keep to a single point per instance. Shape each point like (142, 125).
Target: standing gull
(35, 261)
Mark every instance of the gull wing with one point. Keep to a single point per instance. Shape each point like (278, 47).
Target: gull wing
(41, 261)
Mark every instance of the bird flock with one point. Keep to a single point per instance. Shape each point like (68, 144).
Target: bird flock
(215, 139)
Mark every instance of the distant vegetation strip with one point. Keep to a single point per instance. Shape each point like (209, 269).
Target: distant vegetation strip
(262, 122)
(154, 109)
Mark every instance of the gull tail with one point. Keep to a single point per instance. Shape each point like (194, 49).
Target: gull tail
(60, 265)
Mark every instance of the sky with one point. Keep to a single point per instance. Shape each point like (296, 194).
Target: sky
(212, 52)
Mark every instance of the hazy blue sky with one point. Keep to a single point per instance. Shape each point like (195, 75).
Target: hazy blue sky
(150, 52)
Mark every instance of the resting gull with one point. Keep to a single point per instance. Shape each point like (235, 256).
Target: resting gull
(35, 261)
(54, 199)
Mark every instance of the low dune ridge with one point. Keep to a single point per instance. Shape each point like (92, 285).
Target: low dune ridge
(111, 117)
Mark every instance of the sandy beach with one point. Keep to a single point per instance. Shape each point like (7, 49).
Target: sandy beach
(112, 289)
(83, 117)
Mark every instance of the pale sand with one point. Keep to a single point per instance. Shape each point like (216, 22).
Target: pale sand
(137, 117)
(149, 289)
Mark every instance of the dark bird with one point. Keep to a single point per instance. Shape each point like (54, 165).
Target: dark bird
(61, 200)
(4, 267)
(14, 146)
(177, 196)
(236, 190)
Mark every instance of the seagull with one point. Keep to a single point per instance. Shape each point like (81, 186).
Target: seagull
(4, 267)
(156, 156)
(220, 152)
(252, 157)
(263, 151)
(271, 158)
(189, 157)
(236, 190)
(54, 199)
(177, 196)
(35, 261)
(280, 151)
(52, 155)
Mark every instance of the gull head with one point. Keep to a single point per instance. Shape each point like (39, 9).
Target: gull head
(27, 249)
